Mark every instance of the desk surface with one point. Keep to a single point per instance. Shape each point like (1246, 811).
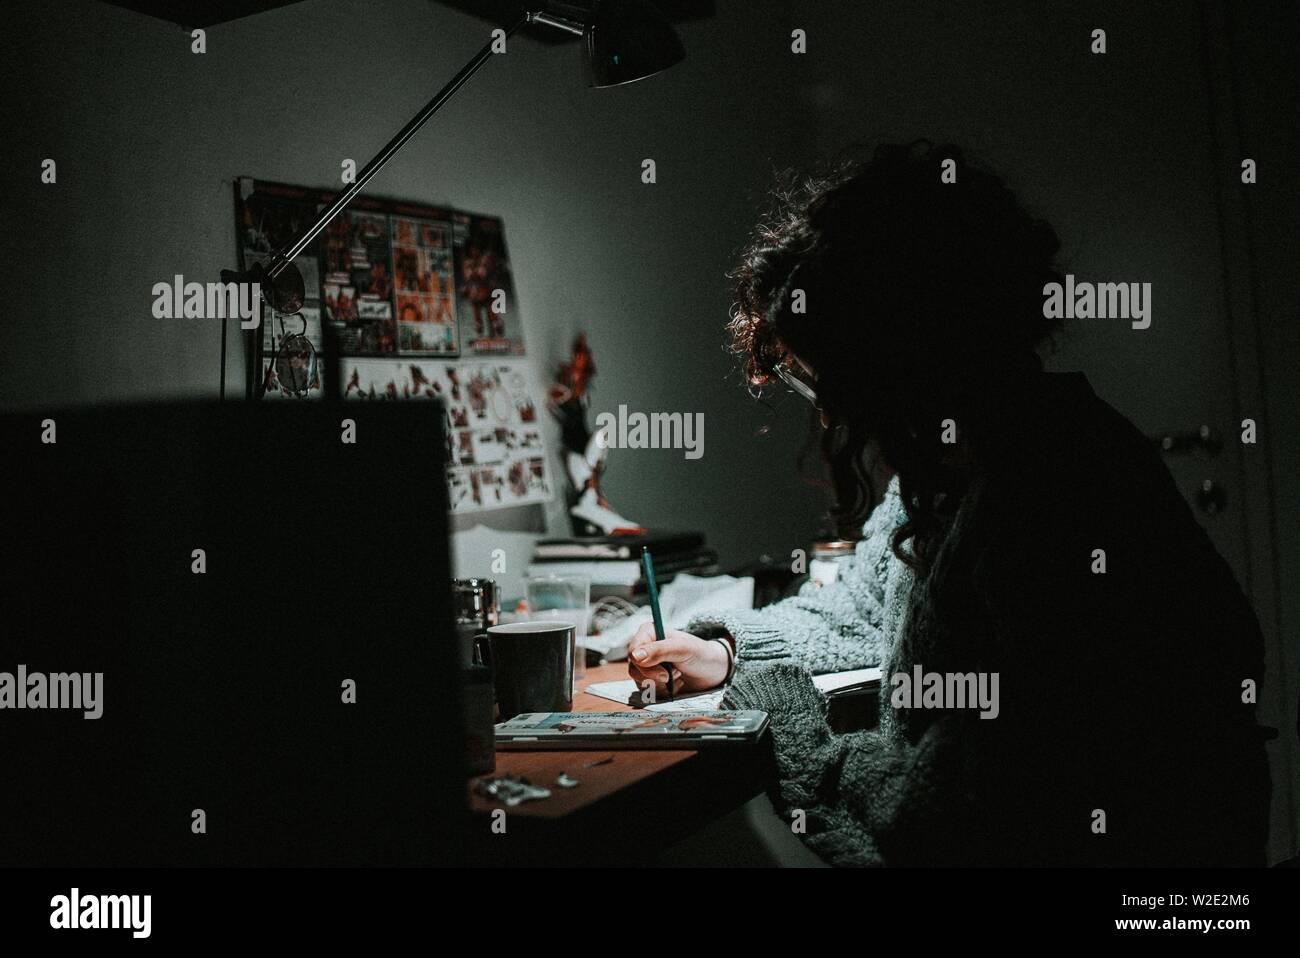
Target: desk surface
(627, 767)
(673, 793)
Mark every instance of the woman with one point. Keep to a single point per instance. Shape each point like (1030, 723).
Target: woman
(1027, 537)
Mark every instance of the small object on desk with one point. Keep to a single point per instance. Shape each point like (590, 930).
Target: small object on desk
(828, 559)
(564, 781)
(477, 608)
(563, 598)
(532, 666)
(653, 591)
(510, 790)
(600, 761)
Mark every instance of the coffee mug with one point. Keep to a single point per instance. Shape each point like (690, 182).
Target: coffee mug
(532, 666)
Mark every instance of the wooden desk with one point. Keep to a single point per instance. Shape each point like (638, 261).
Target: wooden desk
(618, 809)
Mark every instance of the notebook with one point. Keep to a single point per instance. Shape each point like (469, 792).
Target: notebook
(631, 730)
(830, 684)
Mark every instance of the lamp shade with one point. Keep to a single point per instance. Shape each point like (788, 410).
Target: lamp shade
(627, 40)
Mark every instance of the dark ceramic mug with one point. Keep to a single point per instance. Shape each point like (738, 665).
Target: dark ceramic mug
(532, 666)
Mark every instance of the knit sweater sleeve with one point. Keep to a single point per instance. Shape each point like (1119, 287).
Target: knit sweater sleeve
(861, 797)
(951, 791)
(924, 798)
(834, 628)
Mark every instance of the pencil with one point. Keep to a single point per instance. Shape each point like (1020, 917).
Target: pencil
(648, 564)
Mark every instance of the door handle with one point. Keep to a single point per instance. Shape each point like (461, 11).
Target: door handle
(1211, 498)
(1201, 439)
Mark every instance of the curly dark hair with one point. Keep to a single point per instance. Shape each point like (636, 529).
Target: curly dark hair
(918, 296)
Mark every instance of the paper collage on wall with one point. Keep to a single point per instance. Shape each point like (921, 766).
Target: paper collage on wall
(495, 452)
(420, 298)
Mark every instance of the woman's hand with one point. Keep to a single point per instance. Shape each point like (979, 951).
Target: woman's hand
(698, 664)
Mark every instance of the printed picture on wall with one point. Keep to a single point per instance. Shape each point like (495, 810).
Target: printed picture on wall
(424, 286)
(359, 283)
(495, 451)
(486, 309)
(269, 215)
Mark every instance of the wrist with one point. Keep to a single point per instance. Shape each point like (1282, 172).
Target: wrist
(728, 662)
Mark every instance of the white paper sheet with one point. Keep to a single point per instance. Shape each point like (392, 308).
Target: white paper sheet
(679, 601)
(626, 692)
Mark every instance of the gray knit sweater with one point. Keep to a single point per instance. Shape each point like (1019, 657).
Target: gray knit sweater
(852, 623)
(1123, 736)
(845, 625)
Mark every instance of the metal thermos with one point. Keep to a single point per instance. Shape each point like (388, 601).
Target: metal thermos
(476, 606)
(476, 609)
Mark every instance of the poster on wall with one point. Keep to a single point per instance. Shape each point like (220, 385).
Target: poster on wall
(359, 284)
(495, 452)
(422, 300)
(489, 321)
(424, 286)
(394, 278)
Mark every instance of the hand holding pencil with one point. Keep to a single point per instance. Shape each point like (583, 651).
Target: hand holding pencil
(698, 664)
(674, 661)
(652, 588)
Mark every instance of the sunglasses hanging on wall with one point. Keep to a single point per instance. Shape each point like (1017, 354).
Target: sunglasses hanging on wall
(294, 365)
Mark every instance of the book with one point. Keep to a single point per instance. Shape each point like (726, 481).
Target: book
(625, 573)
(613, 548)
(634, 730)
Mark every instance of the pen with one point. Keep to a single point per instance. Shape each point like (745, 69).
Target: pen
(648, 564)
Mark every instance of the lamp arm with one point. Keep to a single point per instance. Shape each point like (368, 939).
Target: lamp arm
(559, 23)
(282, 257)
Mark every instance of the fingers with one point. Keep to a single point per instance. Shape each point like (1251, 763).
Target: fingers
(676, 648)
(653, 687)
(657, 675)
(643, 636)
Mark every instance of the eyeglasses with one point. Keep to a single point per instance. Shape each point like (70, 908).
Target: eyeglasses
(797, 380)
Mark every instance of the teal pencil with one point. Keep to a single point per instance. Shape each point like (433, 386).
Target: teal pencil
(648, 564)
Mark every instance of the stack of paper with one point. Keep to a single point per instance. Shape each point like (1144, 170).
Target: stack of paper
(680, 601)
